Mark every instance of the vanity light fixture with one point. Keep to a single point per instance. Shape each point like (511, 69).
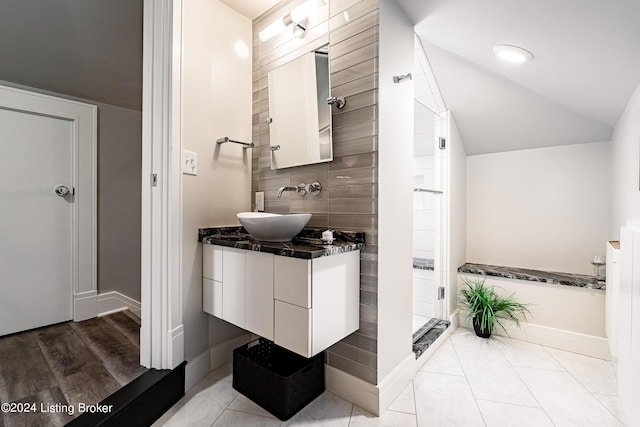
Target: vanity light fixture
(512, 53)
(298, 18)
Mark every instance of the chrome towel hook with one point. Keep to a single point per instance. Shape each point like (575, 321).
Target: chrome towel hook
(338, 100)
(400, 79)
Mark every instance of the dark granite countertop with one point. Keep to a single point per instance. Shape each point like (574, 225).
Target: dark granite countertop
(306, 245)
(423, 263)
(568, 279)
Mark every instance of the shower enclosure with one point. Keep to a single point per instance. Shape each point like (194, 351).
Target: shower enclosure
(429, 206)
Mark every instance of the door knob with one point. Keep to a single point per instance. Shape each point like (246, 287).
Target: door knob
(61, 190)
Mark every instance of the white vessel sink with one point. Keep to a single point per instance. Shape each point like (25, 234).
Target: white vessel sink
(270, 227)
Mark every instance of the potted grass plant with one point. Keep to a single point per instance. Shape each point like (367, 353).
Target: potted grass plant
(485, 308)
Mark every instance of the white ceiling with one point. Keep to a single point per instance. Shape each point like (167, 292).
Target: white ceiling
(586, 66)
(250, 8)
(90, 49)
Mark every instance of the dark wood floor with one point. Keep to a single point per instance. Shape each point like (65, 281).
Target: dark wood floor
(67, 364)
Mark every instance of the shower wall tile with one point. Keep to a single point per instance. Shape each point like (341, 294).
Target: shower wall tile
(348, 199)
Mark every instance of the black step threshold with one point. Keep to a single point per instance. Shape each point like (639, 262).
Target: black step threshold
(139, 403)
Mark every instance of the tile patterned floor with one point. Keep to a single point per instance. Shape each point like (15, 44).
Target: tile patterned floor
(469, 381)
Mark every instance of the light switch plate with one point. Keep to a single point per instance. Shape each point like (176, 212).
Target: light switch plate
(189, 162)
(260, 201)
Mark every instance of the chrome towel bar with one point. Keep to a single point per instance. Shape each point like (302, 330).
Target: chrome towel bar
(244, 144)
(426, 190)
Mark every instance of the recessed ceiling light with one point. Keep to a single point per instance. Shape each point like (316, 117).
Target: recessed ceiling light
(511, 53)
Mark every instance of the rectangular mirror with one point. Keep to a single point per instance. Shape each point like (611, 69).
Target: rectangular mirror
(299, 115)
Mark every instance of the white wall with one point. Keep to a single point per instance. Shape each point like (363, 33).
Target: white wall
(395, 196)
(457, 215)
(216, 102)
(545, 209)
(625, 173)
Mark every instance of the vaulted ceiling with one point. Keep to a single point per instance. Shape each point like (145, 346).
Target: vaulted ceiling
(586, 66)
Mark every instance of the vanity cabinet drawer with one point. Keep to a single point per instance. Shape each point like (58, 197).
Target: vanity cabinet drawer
(292, 280)
(293, 328)
(317, 301)
(233, 286)
(212, 262)
(259, 293)
(212, 297)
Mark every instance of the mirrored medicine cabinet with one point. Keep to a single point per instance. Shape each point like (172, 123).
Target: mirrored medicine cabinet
(299, 115)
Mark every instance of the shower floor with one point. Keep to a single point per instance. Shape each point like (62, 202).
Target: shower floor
(67, 364)
(427, 334)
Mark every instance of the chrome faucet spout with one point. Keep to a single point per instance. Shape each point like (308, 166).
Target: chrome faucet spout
(300, 189)
(283, 189)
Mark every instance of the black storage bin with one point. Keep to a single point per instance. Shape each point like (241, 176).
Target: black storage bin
(277, 379)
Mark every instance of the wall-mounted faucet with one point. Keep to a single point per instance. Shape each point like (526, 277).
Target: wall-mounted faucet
(302, 189)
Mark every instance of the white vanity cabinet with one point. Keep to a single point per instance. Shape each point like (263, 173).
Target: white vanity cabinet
(304, 305)
(212, 279)
(259, 291)
(316, 301)
(237, 286)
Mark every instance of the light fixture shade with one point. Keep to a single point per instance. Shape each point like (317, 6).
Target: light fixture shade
(512, 53)
(303, 11)
(276, 27)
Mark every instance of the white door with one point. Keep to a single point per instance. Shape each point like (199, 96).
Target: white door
(36, 155)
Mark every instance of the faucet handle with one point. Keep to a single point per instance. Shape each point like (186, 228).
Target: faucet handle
(302, 189)
(314, 189)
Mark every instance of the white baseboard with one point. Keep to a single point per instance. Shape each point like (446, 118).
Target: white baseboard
(377, 398)
(396, 381)
(113, 302)
(352, 389)
(84, 306)
(196, 369)
(176, 346)
(575, 342)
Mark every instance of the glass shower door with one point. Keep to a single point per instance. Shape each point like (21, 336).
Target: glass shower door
(429, 241)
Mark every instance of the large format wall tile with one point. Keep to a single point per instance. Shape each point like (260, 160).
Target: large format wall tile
(349, 183)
